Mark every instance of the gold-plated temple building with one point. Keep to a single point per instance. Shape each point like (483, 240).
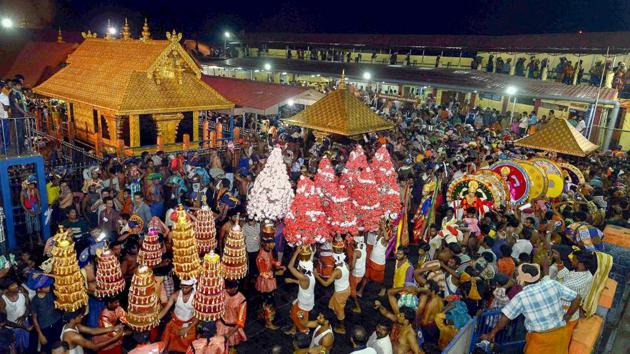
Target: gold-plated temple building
(341, 113)
(558, 136)
(129, 94)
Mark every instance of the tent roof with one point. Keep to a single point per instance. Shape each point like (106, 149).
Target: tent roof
(558, 136)
(253, 94)
(340, 112)
(133, 77)
(37, 61)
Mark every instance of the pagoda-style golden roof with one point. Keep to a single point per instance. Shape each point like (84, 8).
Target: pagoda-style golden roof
(559, 136)
(133, 77)
(342, 113)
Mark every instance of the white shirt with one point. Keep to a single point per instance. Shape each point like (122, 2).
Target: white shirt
(367, 350)
(4, 100)
(252, 237)
(381, 345)
(581, 126)
(184, 310)
(521, 246)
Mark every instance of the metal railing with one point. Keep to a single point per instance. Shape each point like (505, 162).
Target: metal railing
(17, 136)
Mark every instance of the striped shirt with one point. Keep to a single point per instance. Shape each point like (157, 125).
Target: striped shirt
(541, 304)
(580, 282)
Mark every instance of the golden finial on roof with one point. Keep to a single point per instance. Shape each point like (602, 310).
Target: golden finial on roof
(59, 36)
(88, 34)
(146, 35)
(125, 32)
(342, 82)
(174, 36)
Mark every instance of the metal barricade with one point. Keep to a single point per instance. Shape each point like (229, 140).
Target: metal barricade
(17, 136)
(461, 342)
(510, 340)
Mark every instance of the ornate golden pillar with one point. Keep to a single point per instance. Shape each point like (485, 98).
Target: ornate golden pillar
(195, 125)
(112, 127)
(134, 130)
(167, 125)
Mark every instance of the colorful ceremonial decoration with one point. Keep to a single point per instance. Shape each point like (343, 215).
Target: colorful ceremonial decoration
(359, 178)
(70, 291)
(387, 181)
(554, 176)
(144, 305)
(516, 178)
(469, 191)
(271, 195)
(336, 203)
(425, 215)
(234, 260)
(185, 252)
(209, 301)
(574, 174)
(205, 229)
(109, 277)
(498, 186)
(538, 179)
(150, 253)
(306, 222)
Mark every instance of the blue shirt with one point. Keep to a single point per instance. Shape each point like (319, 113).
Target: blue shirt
(541, 304)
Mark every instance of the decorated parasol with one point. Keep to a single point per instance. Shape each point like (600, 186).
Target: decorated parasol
(538, 178)
(469, 191)
(516, 178)
(497, 185)
(554, 176)
(574, 173)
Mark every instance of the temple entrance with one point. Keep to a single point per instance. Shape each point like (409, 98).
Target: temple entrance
(185, 127)
(148, 130)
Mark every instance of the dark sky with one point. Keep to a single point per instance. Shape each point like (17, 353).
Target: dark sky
(207, 19)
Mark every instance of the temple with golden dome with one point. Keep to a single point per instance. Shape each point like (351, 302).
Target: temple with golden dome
(132, 95)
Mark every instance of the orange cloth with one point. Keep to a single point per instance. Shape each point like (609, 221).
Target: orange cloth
(149, 348)
(506, 266)
(325, 266)
(338, 302)
(108, 319)
(555, 341)
(585, 335)
(266, 281)
(375, 272)
(354, 283)
(295, 309)
(214, 345)
(234, 316)
(175, 342)
(608, 293)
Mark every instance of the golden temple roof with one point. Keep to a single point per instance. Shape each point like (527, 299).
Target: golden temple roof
(133, 77)
(340, 112)
(558, 136)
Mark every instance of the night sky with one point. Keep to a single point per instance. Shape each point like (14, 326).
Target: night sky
(207, 19)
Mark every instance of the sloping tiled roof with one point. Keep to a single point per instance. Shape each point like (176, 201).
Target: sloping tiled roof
(451, 79)
(558, 136)
(342, 113)
(120, 75)
(252, 94)
(37, 61)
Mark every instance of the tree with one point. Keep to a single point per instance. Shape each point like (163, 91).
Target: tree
(387, 181)
(305, 223)
(271, 195)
